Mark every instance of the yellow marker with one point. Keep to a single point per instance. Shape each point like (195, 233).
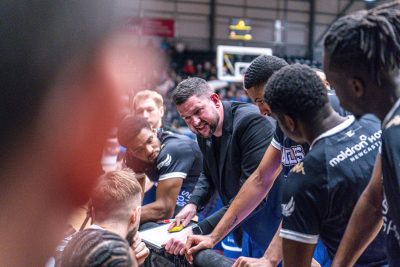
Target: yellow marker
(177, 228)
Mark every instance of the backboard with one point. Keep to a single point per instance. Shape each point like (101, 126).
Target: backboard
(232, 61)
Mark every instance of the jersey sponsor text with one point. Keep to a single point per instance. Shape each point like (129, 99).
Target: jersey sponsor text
(366, 145)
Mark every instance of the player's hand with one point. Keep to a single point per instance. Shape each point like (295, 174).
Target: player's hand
(253, 262)
(195, 243)
(139, 249)
(184, 216)
(176, 245)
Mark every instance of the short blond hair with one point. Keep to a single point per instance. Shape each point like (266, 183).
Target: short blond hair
(157, 98)
(115, 190)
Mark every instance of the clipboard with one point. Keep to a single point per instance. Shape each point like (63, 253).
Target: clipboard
(157, 236)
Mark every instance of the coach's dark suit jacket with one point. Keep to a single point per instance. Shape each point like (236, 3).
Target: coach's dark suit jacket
(245, 138)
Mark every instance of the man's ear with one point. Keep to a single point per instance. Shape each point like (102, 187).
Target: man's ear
(135, 215)
(357, 87)
(290, 123)
(162, 111)
(215, 99)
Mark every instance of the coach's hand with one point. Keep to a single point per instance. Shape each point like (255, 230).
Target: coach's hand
(176, 245)
(184, 216)
(195, 243)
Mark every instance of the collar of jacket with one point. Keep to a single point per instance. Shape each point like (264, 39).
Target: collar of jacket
(227, 125)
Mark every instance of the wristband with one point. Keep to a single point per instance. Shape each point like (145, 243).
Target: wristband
(197, 230)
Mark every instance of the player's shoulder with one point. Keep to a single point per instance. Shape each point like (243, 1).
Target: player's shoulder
(391, 126)
(349, 131)
(391, 133)
(351, 142)
(392, 123)
(174, 141)
(308, 173)
(370, 121)
(248, 115)
(244, 110)
(176, 148)
(303, 181)
(392, 119)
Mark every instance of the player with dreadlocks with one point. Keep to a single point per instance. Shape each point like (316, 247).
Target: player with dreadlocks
(362, 60)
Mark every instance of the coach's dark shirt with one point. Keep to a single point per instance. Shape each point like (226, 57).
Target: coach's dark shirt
(229, 160)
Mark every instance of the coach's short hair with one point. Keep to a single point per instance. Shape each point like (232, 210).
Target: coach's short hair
(190, 87)
(97, 248)
(261, 69)
(296, 90)
(115, 190)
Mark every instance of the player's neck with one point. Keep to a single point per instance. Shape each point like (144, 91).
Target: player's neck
(120, 229)
(382, 98)
(327, 120)
(385, 104)
(159, 125)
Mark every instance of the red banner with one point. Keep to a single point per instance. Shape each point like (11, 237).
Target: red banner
(151, 26)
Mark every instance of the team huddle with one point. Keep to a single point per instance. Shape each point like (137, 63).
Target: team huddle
(299, 178)
(307, 175)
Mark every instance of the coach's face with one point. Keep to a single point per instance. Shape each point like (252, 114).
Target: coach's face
(200, 114)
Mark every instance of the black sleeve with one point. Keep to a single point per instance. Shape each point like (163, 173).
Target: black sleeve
(256, 136)
(208, 224)
(301, 205)
(203, 190)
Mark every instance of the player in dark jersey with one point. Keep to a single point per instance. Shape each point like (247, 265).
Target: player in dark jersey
(171, 160)
(321, 191)
(362, 61)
